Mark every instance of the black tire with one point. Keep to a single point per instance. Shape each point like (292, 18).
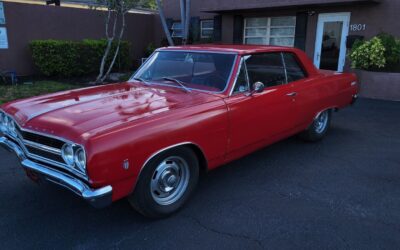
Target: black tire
(142, 198)
(315, 133)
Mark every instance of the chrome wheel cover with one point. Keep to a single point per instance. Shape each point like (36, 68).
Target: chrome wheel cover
(321, 122)
(170, 180)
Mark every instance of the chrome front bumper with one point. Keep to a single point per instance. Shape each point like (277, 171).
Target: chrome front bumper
(96, 197)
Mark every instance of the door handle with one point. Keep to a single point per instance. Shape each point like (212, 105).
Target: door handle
(292, 94)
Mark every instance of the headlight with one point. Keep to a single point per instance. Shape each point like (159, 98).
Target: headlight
(2, 121)
(67, 153)
(80, 159)
(6, 124)
(11, 127)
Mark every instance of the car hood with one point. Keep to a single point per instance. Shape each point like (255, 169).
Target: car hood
(71, 114)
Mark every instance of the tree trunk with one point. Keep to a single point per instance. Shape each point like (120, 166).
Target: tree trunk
(164, 23)
(110, 40)
(121, 33)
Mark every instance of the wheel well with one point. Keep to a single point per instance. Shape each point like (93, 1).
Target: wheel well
(200, 155)
(203, 164)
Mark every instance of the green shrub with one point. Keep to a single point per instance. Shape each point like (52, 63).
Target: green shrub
(368, 55)
(381, 53)
(67, 58)
(392, 49)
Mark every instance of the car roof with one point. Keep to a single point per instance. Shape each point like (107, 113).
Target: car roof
(230, 48)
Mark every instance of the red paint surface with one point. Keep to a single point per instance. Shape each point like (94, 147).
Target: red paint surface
(132, 121)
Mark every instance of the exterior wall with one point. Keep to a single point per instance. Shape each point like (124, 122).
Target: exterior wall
(27, 22)
(378, 16)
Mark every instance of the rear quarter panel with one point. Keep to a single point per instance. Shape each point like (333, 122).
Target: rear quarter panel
(326, 90)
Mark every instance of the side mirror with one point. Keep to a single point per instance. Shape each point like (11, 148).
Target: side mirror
(258, 87)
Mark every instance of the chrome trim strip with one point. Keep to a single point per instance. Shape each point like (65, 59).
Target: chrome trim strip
(198, 51)
(242, 63)
(236, 76)
(284, 67)
(96, 197)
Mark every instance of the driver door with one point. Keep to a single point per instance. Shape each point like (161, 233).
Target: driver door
(258, 119)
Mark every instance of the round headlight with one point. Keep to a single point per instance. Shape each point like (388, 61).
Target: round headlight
(67, 153)
(2, 121)
(11, 127)
(80, 159)
(6, 123)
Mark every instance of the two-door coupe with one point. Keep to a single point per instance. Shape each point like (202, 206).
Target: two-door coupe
(186, 110)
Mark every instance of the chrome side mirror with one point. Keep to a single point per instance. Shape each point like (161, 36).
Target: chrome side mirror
(258, 87)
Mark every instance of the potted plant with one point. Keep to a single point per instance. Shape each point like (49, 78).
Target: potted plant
(377, 65)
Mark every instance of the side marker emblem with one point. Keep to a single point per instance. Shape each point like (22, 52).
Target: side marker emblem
(125, 164)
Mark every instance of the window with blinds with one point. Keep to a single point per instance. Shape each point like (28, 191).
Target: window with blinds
(270, 30)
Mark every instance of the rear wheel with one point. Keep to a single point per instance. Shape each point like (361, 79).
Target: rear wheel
(166, 182)
(318, 129)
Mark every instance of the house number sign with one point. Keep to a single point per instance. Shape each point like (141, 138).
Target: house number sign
(358, 27)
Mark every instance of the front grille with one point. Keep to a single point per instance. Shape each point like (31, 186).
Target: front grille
(45, 154)
(47, 141)
(44, 149)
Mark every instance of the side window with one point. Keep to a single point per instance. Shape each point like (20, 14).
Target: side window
(241, 84)
(266, 68)
(294, 70)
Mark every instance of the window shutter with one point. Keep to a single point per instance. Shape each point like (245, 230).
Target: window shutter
(217, 37)
(301, 30)
(238, 26)
(194, 29)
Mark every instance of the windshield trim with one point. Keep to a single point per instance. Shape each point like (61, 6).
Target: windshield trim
(191, 51)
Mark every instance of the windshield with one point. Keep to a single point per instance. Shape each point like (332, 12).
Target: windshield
(195, 70)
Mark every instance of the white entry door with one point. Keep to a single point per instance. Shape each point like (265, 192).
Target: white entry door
(330, 44)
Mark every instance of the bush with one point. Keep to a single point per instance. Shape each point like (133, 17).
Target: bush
(67, 58)
(392, 49)
(381, 53)
(368, 55)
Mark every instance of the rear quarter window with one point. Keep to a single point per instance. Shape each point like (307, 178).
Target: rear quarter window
(294, 69)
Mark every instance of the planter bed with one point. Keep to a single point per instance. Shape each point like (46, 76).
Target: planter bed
(379, 85)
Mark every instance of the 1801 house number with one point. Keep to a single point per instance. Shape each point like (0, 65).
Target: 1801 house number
(358, 27)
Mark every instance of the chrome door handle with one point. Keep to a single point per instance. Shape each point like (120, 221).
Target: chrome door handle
(292, 94)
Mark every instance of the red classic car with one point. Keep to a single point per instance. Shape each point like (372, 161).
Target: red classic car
(186, 110)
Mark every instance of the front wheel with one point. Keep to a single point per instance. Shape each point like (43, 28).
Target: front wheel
(318, 129)
(166, 182)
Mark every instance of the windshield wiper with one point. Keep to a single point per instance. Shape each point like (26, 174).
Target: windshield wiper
(182, 84)
(140, 80)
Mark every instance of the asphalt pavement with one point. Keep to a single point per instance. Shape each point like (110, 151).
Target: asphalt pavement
(340, 193)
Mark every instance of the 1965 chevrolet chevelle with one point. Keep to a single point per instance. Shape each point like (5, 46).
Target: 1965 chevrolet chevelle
(186, 110)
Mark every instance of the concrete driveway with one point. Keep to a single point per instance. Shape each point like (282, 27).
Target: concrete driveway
(343, 192)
